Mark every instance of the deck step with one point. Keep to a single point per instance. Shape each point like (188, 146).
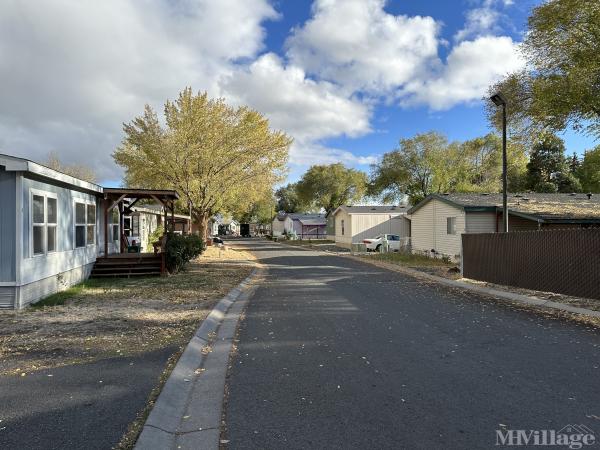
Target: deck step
(127, 265)
(124, 275)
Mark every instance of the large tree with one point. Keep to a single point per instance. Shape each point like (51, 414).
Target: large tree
(590, 170)
(548, 169)
(262, 211)
(421, 165)
(330, 186)
(427, 164)
(219, 158)
(288, 200)
(560, 86)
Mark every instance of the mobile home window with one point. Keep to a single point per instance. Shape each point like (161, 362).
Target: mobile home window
(91, 224)
(39, 224)
(85, 224)
(51, 221)
(43, 223)
(451, 225)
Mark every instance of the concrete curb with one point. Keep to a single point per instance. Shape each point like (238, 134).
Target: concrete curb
(529, 300)
(187, 413)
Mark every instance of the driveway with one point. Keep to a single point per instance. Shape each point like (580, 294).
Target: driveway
(83, 406)
(335, 353)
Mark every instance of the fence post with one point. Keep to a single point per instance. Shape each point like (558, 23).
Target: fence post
(462, 248)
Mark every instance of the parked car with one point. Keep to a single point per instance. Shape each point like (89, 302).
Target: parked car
(217, 240)
(377, 243)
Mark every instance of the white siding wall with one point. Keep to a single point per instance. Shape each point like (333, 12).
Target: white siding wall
(277, 227)
(365, 226)
(343, 240)
(429, 229)
(288, 224)
(481, 222)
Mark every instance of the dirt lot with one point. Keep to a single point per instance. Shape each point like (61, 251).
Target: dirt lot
(118, 317)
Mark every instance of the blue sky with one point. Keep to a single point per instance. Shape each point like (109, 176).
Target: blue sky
(392, 122)
(345, 78)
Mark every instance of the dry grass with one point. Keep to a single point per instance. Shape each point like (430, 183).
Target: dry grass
(118, 317)
(421, 263)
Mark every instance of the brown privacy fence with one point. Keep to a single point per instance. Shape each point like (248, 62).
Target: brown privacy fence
(565, 261)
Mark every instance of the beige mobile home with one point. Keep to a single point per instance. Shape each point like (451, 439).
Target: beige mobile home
(438, 221)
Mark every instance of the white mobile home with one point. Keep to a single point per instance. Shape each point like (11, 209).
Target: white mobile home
(56, 229)
(352, 224)
(49, 236)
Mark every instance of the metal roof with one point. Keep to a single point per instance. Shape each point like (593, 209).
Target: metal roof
(316, 221)
(16, 164)
(141, 193)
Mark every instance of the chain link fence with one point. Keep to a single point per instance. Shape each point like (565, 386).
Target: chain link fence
(564, 261)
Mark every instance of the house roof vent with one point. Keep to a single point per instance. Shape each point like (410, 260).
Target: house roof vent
(485, 193)
(589, 195)
(445, 193)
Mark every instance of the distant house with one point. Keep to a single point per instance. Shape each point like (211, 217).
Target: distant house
(213, 226)
(278, 224)
(304, 226)
(352, 224)
(141, 221)
(55, 228)
(229, 227)
(438, 221)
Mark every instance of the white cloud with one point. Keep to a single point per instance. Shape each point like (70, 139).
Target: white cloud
(357, 44)
(72, 72)
(471, 67)
(485, 20)
(480, 21)
(308, 153)
(306, 109)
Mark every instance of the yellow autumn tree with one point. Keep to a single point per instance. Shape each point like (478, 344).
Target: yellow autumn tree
(219, 158)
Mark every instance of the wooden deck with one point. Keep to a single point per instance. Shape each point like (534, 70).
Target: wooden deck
(128, 265)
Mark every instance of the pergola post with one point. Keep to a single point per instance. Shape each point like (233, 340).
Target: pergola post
(121, 226)
(106, 227)
(172, 217)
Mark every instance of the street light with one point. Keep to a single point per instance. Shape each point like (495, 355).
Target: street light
(499, 100)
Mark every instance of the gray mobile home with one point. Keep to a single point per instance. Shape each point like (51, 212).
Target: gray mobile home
(49, 231)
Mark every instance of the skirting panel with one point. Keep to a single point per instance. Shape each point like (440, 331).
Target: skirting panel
(38, 290)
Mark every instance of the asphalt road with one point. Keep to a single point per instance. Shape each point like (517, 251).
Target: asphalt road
(82, 406)
(334, 353)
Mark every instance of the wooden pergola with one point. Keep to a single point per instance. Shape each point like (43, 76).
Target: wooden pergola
(117, 197)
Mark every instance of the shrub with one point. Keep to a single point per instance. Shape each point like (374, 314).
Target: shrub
(181, 249)
(153, 237)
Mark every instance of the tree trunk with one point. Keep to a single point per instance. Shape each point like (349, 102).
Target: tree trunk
(203, 225)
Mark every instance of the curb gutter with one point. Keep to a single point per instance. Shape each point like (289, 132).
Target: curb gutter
(187, 413)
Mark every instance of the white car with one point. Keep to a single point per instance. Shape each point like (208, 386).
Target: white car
(377, 243)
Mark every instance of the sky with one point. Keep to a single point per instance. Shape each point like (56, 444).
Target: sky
(345, 78)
